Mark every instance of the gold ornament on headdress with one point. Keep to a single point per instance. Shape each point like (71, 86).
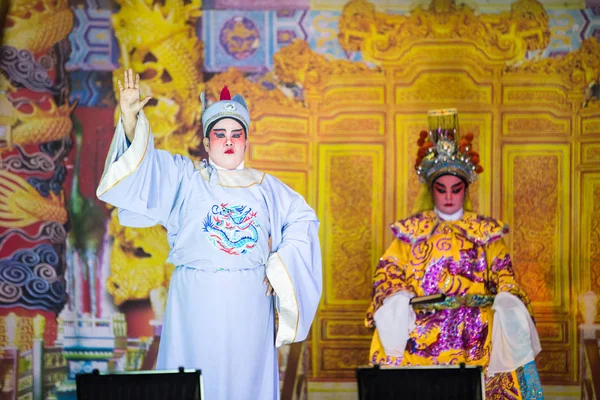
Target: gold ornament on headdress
(442, 153)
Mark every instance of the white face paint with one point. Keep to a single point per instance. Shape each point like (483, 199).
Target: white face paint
(449, 194)
(227, 145)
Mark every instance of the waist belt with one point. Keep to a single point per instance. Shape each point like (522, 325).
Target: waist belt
(451, 302)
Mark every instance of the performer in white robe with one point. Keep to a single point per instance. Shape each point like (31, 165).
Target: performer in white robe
(219, 218)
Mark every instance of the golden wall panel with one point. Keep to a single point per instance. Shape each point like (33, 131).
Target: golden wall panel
(345, 329)
(534, 124)
(461, 56)
(590, 152)
(348, 94)
(343, 360)
(535, 187)
(590, 126)
(355, 124)
(351, 183)
(407, 131)
(555, 332)
(297, 180)
(482, 128)
(431, 87)
(291, 152)
(534, 96)
(408, 127)
(590, 233)
(272, 126)
(554, 364)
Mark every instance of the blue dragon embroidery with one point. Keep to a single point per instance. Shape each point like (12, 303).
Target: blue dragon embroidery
(232, 229)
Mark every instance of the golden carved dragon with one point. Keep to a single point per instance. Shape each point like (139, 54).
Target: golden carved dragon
(385, 37)
(37, 25)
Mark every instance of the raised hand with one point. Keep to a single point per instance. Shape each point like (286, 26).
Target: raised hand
(129, 101)
(129, 94)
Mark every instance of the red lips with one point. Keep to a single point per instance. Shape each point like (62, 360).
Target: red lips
(229, 151)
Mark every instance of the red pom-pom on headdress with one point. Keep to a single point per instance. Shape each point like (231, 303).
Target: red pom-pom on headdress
(225, 95)
(443, 151)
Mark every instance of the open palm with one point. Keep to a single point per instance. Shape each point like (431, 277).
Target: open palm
(129, 94)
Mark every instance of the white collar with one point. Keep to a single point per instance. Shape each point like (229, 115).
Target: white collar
(449, 217)
(214, 164)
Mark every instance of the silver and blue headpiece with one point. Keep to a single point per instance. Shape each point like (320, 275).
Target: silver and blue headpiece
(226, 107)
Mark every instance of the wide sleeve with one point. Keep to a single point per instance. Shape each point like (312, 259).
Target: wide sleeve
(501, 273)
(389, 277)
(143, 182)
(515, 341)
(294, 267)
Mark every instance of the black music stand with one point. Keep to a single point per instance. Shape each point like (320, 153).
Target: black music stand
(147, 385)
(446, 382)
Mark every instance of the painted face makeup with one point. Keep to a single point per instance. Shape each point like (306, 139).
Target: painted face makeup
(449, 194)
(227, 144)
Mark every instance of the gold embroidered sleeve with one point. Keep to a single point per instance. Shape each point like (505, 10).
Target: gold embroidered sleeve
(389, 277)
(502, 274)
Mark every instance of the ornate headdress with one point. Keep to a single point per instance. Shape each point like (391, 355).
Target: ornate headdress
(226, 107)
(442, 153)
